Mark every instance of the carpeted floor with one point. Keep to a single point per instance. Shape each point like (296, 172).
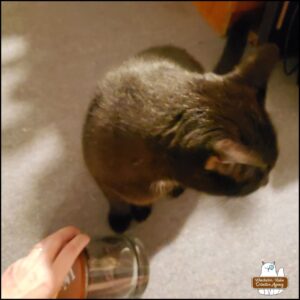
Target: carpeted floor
(200, 246)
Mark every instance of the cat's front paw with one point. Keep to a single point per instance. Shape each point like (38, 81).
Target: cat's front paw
(176, 192)
(140, 213)
(119, 223)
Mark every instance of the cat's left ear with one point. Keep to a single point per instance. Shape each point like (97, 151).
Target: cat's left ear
(230, 157)
(255, 69)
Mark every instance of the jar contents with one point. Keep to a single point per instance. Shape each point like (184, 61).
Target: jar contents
(111, 267)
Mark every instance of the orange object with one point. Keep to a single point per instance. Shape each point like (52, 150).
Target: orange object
(220, 14)
(282, 14)
(77, 287)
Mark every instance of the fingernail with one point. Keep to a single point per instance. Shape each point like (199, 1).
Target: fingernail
(85, 237)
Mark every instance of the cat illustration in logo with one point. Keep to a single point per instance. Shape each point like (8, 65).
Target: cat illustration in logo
(268, 269)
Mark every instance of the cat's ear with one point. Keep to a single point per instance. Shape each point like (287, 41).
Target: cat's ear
(255, 69)
(233, 159)
(262, 262)
(273, 262)
(234, 152)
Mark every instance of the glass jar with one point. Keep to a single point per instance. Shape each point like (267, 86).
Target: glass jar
(110, 267)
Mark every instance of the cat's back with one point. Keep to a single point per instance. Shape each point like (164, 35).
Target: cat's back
(154, 72)
(133, 102)
(145, 89)
(147, 73)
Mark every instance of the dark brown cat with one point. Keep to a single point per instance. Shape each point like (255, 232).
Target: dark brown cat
(158, 125)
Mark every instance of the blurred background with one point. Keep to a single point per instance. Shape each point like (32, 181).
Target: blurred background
(53, 55)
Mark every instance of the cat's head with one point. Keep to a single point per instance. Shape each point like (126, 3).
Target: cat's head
(241, 140)
(268, 268)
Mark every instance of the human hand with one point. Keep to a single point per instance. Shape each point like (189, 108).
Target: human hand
(42, 272)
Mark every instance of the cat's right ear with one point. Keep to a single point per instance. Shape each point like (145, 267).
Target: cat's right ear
(230, 158)
(255, 69)
(262, 262)
(231, 151)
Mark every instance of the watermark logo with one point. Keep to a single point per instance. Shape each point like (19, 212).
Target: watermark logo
(270, 281)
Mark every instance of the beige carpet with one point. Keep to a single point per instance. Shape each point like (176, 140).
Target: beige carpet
(200, 246)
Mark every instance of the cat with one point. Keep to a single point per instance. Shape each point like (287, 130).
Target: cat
(158, 125)
(268, 269)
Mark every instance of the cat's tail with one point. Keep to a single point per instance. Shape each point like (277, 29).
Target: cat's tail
(236, 43)
(234, 47)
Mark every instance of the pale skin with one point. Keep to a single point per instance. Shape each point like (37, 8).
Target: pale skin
(41, 273)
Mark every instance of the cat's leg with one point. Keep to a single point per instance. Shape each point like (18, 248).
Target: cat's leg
(141, 213)
(275, 291)
(162, 188)
(167, 187)
(266, 292)
(177, 191)
(271, 292)
(119, 216)
(261, 291)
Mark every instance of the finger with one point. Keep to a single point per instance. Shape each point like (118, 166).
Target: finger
(67, 257)
(51, 245)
